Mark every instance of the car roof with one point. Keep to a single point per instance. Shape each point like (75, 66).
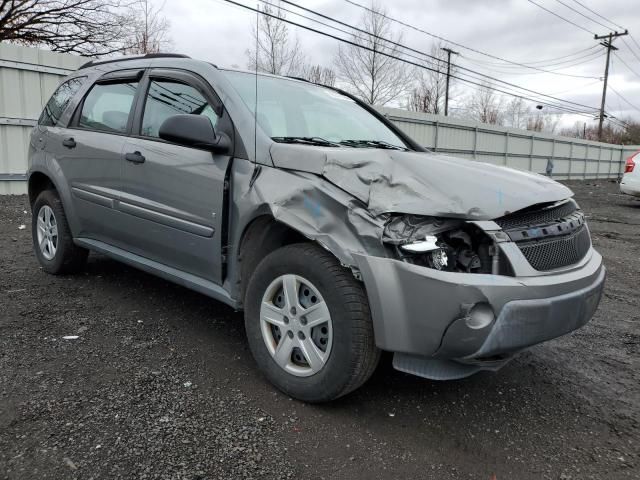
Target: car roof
(125, 58)
(93, 63)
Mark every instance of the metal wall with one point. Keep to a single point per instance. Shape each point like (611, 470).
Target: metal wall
(28, 77)
(571, 158)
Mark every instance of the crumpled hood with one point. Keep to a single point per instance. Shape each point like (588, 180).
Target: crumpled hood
(422, 183)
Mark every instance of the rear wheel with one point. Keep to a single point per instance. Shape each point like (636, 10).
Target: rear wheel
(308, 324)
(52, 240)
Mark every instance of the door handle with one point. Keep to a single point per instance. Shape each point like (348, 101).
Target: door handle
(69, 142)
(134, 157)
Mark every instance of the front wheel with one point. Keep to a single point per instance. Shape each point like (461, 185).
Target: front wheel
(308, 324)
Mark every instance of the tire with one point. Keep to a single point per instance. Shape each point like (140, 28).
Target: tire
(61, 255)
(350, 355)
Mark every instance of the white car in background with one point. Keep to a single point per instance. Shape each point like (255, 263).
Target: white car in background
(630, 183)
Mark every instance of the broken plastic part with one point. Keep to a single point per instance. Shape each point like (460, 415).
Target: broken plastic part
(442, 244)
(407, 229)
(427, 245)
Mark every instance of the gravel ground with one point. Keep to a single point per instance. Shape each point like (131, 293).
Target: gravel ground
(160, 384)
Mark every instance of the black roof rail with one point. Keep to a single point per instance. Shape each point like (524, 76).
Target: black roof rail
(298, 78)
(92, 63)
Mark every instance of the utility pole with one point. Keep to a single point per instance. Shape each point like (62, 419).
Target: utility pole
(446, 93)
(608, 43)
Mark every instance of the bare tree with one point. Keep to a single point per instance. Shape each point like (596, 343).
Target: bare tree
(551, 123)
(517, 113)
(485, 106)
(274, 51)
(367, 68)
(629, 134)
(148, 29)
(542, 122)
(86, 27)
(579, 130)
(423, 99)
(429, 94)
(319, 74)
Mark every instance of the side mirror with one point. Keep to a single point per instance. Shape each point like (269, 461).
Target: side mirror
(194, 131)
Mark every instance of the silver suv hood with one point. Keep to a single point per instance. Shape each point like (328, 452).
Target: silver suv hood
(422, 183)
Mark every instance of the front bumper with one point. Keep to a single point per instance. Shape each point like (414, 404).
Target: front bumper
(422, 312)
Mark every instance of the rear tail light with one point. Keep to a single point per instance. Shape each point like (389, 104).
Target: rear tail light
(628, 167)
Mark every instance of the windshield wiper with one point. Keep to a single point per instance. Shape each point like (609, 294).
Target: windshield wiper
(317, 141)
(371, 144)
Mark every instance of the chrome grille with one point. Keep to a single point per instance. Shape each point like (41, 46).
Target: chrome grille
(557, 252)
(537, 217)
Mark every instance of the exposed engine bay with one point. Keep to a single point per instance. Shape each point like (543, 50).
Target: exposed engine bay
(442, 244)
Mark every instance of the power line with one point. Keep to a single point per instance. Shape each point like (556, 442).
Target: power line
(627, 65)
(333, 27)
(630, 49)
(582, 14)
(598, 15)
(573, 89)
(548, 65)
(537, 100)
(620, 96)
(514, 93)
(538, 70)
(593, 56)
(560, 17)
(418, 51)
(569, 109)
(417, 29)
(476, 75)
(624, 99)
(554, 60)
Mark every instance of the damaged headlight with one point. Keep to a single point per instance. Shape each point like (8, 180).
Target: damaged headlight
(435, 254)
(442, 244)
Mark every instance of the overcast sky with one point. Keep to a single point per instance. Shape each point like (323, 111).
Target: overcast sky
(516, 30)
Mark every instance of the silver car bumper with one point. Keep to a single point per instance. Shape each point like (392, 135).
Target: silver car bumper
(421, 312)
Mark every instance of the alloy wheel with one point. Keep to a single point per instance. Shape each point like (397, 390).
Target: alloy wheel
(296, 325)
(47, 231)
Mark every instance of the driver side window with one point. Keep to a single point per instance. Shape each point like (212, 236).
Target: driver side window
(167, 98)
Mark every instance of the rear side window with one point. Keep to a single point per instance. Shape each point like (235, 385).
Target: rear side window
(107, 107)
(167, 98)
(59, 101)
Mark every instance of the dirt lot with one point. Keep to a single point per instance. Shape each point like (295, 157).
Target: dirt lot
(161, 384)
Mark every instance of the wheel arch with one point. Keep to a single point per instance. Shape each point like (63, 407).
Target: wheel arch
(260, 237)
(39, 180)
(272, 207)
(37, 183)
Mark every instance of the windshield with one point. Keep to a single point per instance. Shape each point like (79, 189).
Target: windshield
(291, 111)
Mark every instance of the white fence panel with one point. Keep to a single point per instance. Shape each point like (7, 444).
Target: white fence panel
(28, 77)
(570, 158)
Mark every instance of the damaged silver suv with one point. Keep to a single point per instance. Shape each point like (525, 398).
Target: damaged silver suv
(338, 235)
